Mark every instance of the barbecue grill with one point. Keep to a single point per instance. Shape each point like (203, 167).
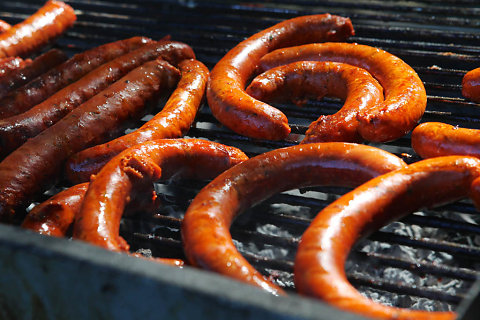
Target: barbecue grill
(430, 260)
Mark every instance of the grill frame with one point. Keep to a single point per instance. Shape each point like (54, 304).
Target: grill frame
(399, 20)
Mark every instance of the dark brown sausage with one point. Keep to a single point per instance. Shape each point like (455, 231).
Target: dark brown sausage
(205, 227)
(319, 264)
(64, 74)
(471, 85)
(28, 36)
(405, 96)
(229, 102)
(301, 80)
(10, 64)
(39, 65)
(99, 219)
(34, 165)
(17, 129)
(435, 139)
(173, 121)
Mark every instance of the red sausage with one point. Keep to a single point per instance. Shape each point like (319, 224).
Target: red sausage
(405, 96)
(304, 79)
(471, 85)
(38, 66)
(435, 139)
(173, 121)
(47, 23)
(319, 264)
(34, 165)
(99, 218)
(4, 26)
(205, 227)
(54, 216)
(229, 102)
(17, 129)
(64, 74)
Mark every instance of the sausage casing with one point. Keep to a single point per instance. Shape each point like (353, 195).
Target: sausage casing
(471, 85)
(172, 121)
(205, 227)
(229, 102)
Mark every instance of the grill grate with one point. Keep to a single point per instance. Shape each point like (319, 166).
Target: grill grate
(439, 39)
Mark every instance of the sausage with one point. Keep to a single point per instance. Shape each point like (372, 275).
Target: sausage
(4, 26)
(304, 79)
(319, 263)
(28, 36)
(173, 121)
(205, 227)
(226, 96)
(8, 65)
(34, 165)
(99, 218)
(435, 139)
(405, 96)
(54, 216)
(64, 74)
(38, 66)
(17, 129)
(471, 85)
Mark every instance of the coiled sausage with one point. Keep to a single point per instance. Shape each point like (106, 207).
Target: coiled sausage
(405, 96)
(319, 264)
(205, 227)
(300, 80)
(99, 218)
(229, 102)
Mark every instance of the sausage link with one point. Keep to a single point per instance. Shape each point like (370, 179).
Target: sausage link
(33, 166)
(54, 216)
(319, 263)
(64, 74)
(17, 129)
(4, 26)
(38, 66)
(471, 85)
(205, 227)
(99, 218)
(304, 79)
(28, 36)
(405, 96)
(173, 121)
(10, 64)
(435, 139)
(229, 102)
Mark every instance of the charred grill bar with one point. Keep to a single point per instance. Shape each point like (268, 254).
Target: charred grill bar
(429, 260)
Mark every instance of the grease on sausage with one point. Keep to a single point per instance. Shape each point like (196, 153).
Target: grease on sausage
(301, 80)
(229, 102)
(205, 227)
